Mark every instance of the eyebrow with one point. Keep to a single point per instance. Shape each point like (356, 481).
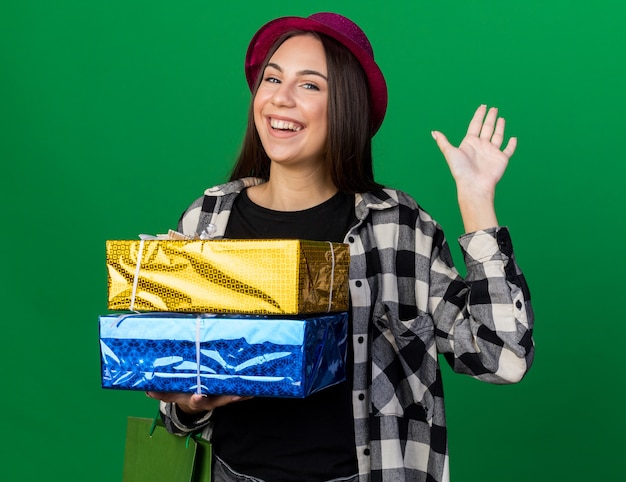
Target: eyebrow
(300, 72)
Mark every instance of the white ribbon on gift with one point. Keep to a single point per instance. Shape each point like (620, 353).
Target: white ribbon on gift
(198, 379)
(136, 277)
(332, 276)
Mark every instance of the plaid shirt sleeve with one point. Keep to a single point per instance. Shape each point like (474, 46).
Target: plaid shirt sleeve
(483, 322)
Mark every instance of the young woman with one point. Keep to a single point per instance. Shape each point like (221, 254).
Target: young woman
(305, 171)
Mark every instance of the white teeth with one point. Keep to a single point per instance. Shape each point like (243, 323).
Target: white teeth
(283, 125)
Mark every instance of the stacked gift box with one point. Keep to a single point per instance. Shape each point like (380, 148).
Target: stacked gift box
(244, 317)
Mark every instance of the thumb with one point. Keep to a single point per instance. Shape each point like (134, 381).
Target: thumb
(196, 401)
(441, 140)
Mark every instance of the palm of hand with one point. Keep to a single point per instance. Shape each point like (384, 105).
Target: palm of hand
(478, 163)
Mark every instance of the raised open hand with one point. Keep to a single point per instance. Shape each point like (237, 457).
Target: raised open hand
(478, 163)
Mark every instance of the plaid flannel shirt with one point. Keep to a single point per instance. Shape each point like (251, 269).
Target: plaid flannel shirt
(408, 305)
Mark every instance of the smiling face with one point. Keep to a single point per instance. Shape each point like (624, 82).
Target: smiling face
(291, 104)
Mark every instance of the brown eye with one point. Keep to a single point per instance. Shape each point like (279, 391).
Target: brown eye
(310, 86)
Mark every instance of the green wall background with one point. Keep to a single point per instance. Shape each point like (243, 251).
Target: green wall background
(115, 115)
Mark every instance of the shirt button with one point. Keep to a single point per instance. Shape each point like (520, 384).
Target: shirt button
(504, 242)
(360, 339)
(518, 305)
(351, 239)
(361, 397)
(358, 284)
(366, 451)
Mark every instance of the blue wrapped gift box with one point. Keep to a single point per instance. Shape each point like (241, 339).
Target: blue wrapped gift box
(248, 355)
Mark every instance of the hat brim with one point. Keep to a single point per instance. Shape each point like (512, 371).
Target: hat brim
(267, 35)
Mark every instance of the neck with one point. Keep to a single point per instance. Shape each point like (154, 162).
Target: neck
(288, 191)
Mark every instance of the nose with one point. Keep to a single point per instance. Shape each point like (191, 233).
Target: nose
(283, 95)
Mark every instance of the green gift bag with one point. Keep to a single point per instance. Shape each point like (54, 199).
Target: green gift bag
(152, 454)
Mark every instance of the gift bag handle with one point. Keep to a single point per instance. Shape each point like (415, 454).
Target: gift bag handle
(154, 423)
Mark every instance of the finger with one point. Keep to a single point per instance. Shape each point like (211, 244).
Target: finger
(442, 141)
(510, 147)
(197, 401)
(477, 121)
(166, 397)
(498, 135)
(486, 131)
(157, 395)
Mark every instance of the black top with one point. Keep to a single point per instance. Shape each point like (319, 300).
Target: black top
(284, 439)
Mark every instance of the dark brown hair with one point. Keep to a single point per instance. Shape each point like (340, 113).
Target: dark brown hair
(349, 141)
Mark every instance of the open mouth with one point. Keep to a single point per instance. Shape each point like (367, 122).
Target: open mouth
(281, 125)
